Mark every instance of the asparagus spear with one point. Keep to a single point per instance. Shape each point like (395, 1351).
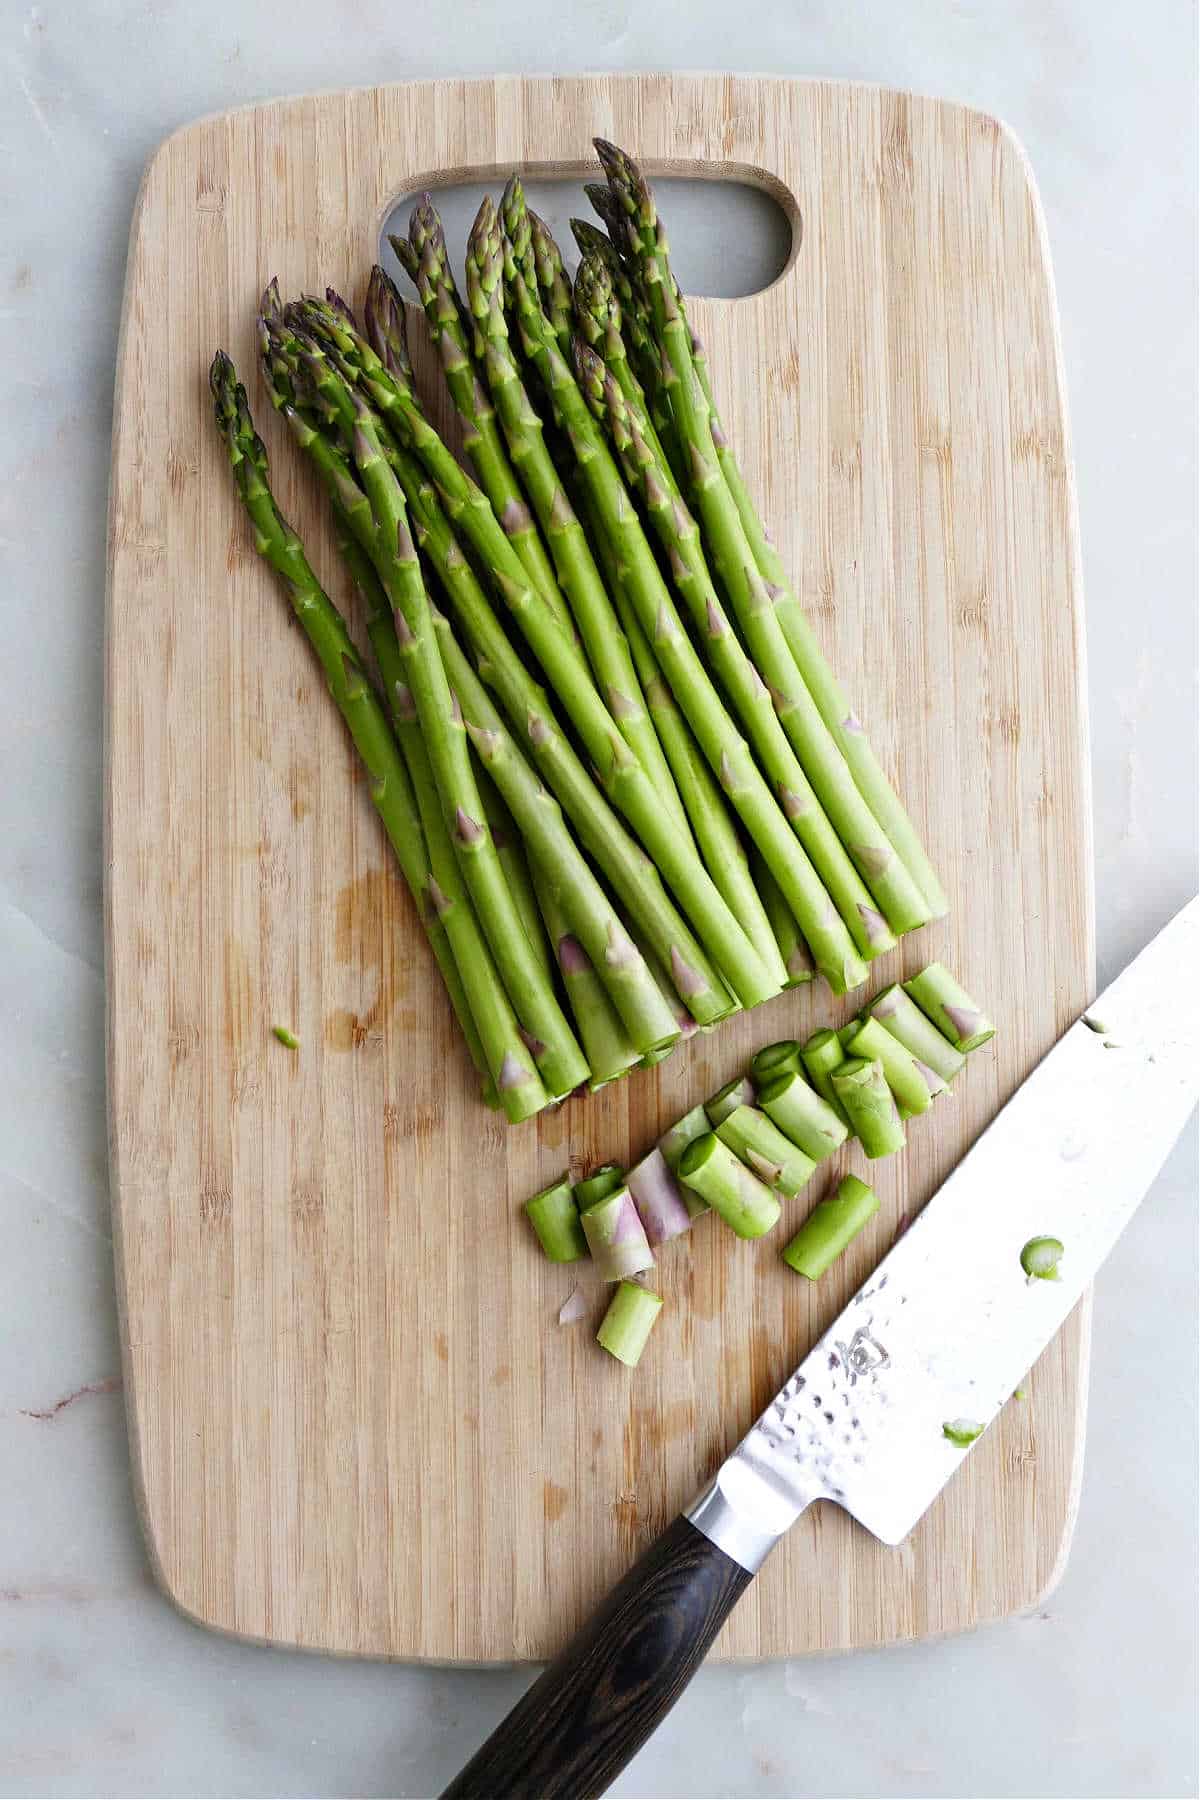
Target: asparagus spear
(515, 865)
(388, 541)
(634, 327)
(835, 709)
(472, 979)
(898, 897)
(603, 324)
(635, 878)
(425, 259)
(797, 957)
(726, 751)
(680, 537)
(562, 868)
(552, 282)
(589, 600)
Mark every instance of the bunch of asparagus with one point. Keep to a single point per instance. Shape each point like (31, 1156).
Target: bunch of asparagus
(621, 780)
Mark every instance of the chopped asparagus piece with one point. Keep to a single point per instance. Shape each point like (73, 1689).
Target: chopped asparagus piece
(598, 1185)
(1040, 1258)
(962, 1431)
(803, 1116)
(950, 1007)
(873, 1042)
(659, 1199)
(863, 1091)
(628, 1322)
(821, 1055)
(746, 1204)
(287, 1038)
(774, 1060)
(615, 1236)
(832, 1224)
(904, 1019)
(555, 1217)
(760, 1144)
(685, 1131)
(735, 1093)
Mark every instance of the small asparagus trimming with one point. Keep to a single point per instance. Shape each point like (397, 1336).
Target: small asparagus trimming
(735, 1193)
(628, 1322)
(555, 1217)
(832, 1224)
(760, 1144)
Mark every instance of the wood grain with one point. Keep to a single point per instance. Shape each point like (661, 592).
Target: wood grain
(356, 1423)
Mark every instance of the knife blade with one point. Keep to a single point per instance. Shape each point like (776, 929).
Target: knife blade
(938, 1336)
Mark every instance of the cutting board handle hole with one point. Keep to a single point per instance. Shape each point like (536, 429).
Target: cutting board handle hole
(730, 237)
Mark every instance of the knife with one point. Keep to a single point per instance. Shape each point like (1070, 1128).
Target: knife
(938, 1337)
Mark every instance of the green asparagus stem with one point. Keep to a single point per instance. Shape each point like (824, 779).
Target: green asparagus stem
(803, 1116)
(830, 1227)
(905, 1020)
(725, 749)
(1040, 1258)
(381, 630)
(496, 1039)
(424, 257)
(872, 1042)
(727, 1099)
(774, 1060)
(513, 862)
(599, 1185)
(647, 1013)
(685, 1131)
(606, 1042)
(822, 1054)
(634, 326)
(962, 1432)
(835, 709)
(896, 894)
(648, 473)
(867, 1099)
(388, 541)
(602, 324)
(708, 815)
(660, 1201)
(847, 1032)
(797, 957)
(590, 604)
(950, 1007)
(746, 1204)
(774, 1158)
(555, 1217)
(628, 1322)
(287, 1038)
(615, 1236)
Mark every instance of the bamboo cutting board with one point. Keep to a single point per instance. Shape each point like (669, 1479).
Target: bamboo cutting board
(357, 1425)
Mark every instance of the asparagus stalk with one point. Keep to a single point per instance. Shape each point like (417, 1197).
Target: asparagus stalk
(913, 1083)
(803, 1116)
(897, 896)
(726, 751)
(760, 1144)
(647, 1013)
(590, 604)
(516, 1080)
(555, 1217)
(845, 728)
(797, 957)
(635, 879)
(425, 260)
(603, 1181)
(752, 701)
(950, 1008)
(685, 1131)
(659, 1199)
(862, 1088)
(904, 1019)
(634, 326)
(615, 1236)
(389, 543)
(774, 1060)
(516, 867)
(628, 1322)
(381, 630)
(822, 1055)
(727, 1099)
(833, 1224)
(747, 1205)
(603, 323)
(606, 1042)
(708, 815)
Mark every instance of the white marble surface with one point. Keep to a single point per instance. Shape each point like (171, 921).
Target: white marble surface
(103, 1689)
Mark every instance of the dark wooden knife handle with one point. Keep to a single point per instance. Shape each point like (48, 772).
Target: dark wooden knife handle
(598, 1702)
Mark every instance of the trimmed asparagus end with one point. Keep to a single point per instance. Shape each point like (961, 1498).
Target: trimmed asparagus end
(774, 1060)
(555, 1217)
(628, 1322)
(599, 1185)
(616, 1237)
(735, 1093)
(685, 1131)
(1040, 1258)
(659, 1199)
(832, 1225)
(1094, 1024)
(962, 1432)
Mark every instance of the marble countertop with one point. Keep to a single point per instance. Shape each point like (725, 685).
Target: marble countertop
(104, 1689)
